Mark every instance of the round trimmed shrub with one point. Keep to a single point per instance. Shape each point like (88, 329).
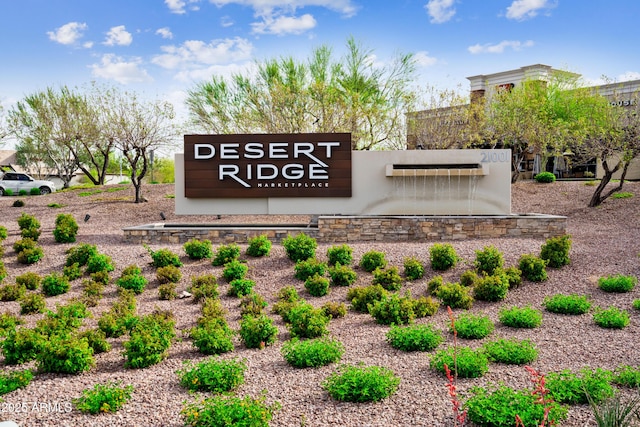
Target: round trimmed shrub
(300, 247)
(340, 254)
(414, 337)
(556, 251)
(55, 284)
(520, 317)
(545, 177)
(66, 229)
(342, 275)
(258, 331)
(491, 288)
(511, 351)
(198, 249)
(371, 260)
(443, 256)
(567, 304)
(259, 246)
(473, 326)
(488, 260)
(393, 309)
(317, 285)
(213, 375)
(455, 295)
(312, 353)
(617, 283)
(413, 268)
(533, 268)
(388, 277)
(361, 383)
(470, 363)
(225, 254)
(308, 268)
(306, 321)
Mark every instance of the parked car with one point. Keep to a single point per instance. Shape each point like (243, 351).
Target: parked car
(21, 181)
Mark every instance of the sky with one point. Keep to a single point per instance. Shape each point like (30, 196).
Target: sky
(163, 48)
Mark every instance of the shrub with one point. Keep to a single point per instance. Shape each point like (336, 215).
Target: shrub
(520, 317)
(533, 268)
(334, 309)
(21, 346)
(363, 296)
(425, 306)
(109, 397)
(241, 287)
(455, 295)
(468, 362)
(72, 272)
(571, 388)
(300, 247)
(30, 256)
(252, 304)
(627, 376)
(168, 274)
(414, 337)
(8, 323)
(167, 291)
(66, 229)
(499, 406)
(259, 246)
(26, 221)
(3, 233)
(511, 351)
(312, 353)
(467, 278)
(204, 286)
(567, 304)
(16, 203)
(80, 254)
(97, 340)
(34, 191)
(212, 337)
(371, 260)
(222, 411)
(388, 278)
(317, 285)
(360, 383)
(443, 256)
(65, 355)
(198, 249)
(514, 277)
(556, 251)
(340, 254)
(31, 233)
(30, 280)
(22, 192)
(473, 326)
(213, 375)
(434, 285)
(308, 268)
(163, 257)
(8, 192)
(3, 269)
(24, 243)
(99, 262)
(611, 318)
(133, 282)
(225, 254)
(66, 317)
(617, 283)
(393, 309)
(413, 268)
(12, 292)
(342, 275)
(488, 260)
(212, 309)
(305, 321)
(32, 303)
(491, 288)
(258, 331)
(11, 381)
(149, 340)
(92, 289)
(234, 270)
(545, 177)
(55, 284)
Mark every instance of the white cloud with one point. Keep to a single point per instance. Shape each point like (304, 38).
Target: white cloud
(225, 71)
(500, 47)
(268, 7)
(423, 59)
(629, 75)
(526, 9)
(164, 32)
(179, 6)
(194, 53)
(112, 67)
(118, 36)
(226, 21)
(68, 33)
(284, 25)
(440, 10)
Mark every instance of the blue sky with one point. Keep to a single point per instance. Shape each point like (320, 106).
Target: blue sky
(163, 47)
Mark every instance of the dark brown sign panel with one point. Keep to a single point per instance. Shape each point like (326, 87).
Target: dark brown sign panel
(267, 165)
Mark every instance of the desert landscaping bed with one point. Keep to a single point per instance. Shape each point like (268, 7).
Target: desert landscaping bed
(606, 241)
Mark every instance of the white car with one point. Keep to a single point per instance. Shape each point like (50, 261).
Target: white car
(16, 182)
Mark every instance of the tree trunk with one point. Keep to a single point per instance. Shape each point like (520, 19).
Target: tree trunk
(597, 198)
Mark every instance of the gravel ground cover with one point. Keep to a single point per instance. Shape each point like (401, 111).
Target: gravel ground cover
(606, 240)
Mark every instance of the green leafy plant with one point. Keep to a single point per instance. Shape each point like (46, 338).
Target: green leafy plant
(12, 292)
(212, 309)
(555, 251)
(11, 381)
(198, 249)
(393, 309)
(31, 233)
(26, 221)
(24, 243)
(473, 326)
(622, 195)
(371, 260)
(72, 272)
(241, 287)
(342, 275)
(334, 309)
(455, 295)
(317, 285)
(545, 177)
(258, 331)
(30, 255)
(132, 279)
(514, 276)
(66, 229)
(306, 321)
(163, 257)
(533, 268)
(360, 383)
(312, 353)
(520, 317)
(32, 303)
(223, 411)
(168, 274)
(21, 346)
(213, 375)
(511, 351)
(573, 388)
(469, 363)
(611, 318)
(149, 340)
(567, 304)
(3, 233)
(212, 336)
(252, 304)
(259, 246)
(413, 268)
(225, 254)
(387, 277)
(109, 397)
(414, 337)
(443, 256)
(204, 286)
(627, 376)
(300, 247)
(16, 203)
(65, 354)
(55, 284)
(491, 288)
(97, 340)
(488, 260)
(22, 192)
(8, 323)
(308, 268)
(234, 270)
(425, 306)
(80, 254)
(99, 262)
(167, 291)
(434, 284)
(614, 412)
(363, 296)
(618, 283)
(55, 205)
(340, 254)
